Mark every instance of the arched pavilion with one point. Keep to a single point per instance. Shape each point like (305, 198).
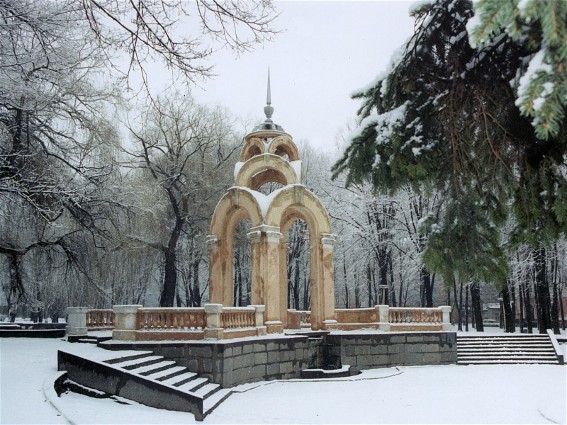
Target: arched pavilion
(270, 155)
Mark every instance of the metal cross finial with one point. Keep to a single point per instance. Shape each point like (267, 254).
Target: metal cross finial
(268, 109)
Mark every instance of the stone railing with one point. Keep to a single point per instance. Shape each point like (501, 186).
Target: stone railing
(101, 319)
(136, 323)
(383, 317)
(171, 318)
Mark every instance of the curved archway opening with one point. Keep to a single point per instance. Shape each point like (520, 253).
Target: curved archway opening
(269, 187)
(269, 175)
(241, 264)
(298, 261)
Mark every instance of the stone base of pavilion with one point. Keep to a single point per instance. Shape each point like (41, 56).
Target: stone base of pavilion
(233, 346)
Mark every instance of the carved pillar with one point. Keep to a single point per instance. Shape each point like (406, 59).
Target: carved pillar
(283, 281)
(214, 328)
(216, 278)
(322, 283)
(265, 242)
(77, 321)
(328, 280)
(125, 322)
(446, 312)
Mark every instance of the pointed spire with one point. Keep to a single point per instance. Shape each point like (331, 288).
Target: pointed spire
(268, 109)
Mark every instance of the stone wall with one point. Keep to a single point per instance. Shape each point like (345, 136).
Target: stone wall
(234, 362)
(239, 361)
(373, 350)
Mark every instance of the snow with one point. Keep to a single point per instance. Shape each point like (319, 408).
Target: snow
(430, 394)
(415, 6)
(537, 66)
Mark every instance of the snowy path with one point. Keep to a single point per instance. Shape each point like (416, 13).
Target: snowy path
(432, 394)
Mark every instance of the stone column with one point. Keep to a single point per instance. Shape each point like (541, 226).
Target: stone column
(266, 274)
(383, 317)
(257, 265)
(283, 280)
(323, 294)
(214, 328)
(125, 322)
(216, 281)
(446, 309)
(77, 321)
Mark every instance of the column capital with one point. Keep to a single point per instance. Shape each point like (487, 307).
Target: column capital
(328, 240)
(272, 233)
(212, 241)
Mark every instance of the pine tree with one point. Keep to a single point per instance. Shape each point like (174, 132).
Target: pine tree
(447, 116)
(540, 26)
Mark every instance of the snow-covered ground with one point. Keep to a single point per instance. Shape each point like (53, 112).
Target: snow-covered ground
(433, 394)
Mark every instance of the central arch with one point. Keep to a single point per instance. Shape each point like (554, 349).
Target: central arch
(298, 203)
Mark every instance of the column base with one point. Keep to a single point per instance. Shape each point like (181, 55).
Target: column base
(124, 335)
(274, 327)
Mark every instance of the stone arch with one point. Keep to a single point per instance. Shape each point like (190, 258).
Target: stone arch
(236, 205)
(298, 198)
(264, 169)
(254, 146)
(290, 204)
(283, 145)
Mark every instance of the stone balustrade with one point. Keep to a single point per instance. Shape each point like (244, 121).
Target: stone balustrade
(171, 318)
(100, 319)
(136, 323)
(382, 317)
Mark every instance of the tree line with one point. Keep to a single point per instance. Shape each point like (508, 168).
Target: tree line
(450, 186)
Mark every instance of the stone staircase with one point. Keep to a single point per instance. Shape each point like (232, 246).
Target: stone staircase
(505, 349)
(148, 379)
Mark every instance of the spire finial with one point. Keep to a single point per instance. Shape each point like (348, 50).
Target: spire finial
(268, 109)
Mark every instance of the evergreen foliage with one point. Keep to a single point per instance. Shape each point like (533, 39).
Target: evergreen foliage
(541, 26)
(445, 116)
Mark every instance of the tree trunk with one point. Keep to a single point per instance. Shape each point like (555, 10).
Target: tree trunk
(369, 284)
(458, 305)
(346, 284)
(542, 290)
(467, 308)
(356, 292)
(426, 287)
(522, 318)
(555, 301)
(197, 295)
(529, 309)
(477, 307)
(296, 285)
(170, 270)
(508, 315)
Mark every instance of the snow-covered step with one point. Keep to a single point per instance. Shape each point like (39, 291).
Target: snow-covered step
(161, 376)
(207, 390)
(193, 385)
(212, 402)
(153, 368)
(122, 358)
(505, 349)
(170, 372)
(181, 379)
(506, 361)
(138, 362)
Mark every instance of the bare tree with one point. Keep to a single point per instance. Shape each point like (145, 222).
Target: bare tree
(186, 150)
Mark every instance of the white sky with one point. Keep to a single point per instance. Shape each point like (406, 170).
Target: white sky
(328, 50)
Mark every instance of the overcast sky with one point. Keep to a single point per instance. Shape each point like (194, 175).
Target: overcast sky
(328, 50)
